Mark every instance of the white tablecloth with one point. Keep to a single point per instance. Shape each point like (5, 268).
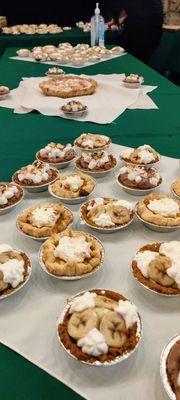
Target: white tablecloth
(28, 319)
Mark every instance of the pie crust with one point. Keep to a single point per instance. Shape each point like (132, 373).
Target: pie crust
(113, 352)
(59, 267)
(6, 288)
(27, 226)
(16, 198)
(66, 192)
(157, 219)
(68, 86)
(176, 187)
(156, 287)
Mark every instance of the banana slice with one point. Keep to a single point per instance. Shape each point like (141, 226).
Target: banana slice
(81, 323)
(100, 312)
(157, 271)
(119, 214)
(112, 327)
(105, 302)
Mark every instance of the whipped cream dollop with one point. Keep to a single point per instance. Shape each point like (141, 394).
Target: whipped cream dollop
(103, 219)
(13, 270)
(166, 207)
(126, 153)
(74, 181)
(80, 303)
(36, 172)
(93, 343)
(134, 78)
(95, 202)
(44, 216)
(55, 150)
(128, 311)
(146, 156)
(5, 247)
(123, 203)
(95, 160)
(7, 192)
(172, 250)
(73, 249)
(143, 260)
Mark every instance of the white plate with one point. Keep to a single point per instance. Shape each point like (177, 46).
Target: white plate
(77, 277)
(136, 192)
(23, 283)
(163, 361)
(100, 229)
(60, 165)
(10, 208)
(154, 227)
(99, 174)
(98, 363)
(66, 200)
(37, 189)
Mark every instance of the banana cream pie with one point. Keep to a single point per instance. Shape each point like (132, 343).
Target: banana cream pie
(90, 141)
(142, 155)
(157, 266)
(106, 213)
(96, 161)
(14, 269)
(72, 186)
(161, 210)
(73, 106)
(99, 327)
(54, 153)
(44, 220)
(36, 174)
(72, 253)
(173, 368)
(10, 194)
(176, 187)
(68, 86)
(133, 79)
(139, 177)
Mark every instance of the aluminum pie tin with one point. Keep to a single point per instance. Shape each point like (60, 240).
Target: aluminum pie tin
(72, 201)
(94, 149)
(77, 277)
(163, 362)
(58, 165)
(43, 238)
(7, 209)
(136, 192)
(129, 85)
(35, 188)
(156, 228)
(78, 113)
(97, 363)
(29, 270)
(99, 228)
(94, 174)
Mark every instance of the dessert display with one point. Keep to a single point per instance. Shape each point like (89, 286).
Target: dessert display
(78, 59)
(170, 365)
(68, 86)
(35, 175)
(4, 91)
(71, 254)
(90, 141)
(157, 267)
(55, 71)
(41, 221)
(176, 188)
(99, 161)
(23, 53)
(85, 26)
(72, 186)
(15, 269)
(106, 214)
(138, 179)
(10, 195)
(99, 327)
(32, 29)
(133, 81)
(160, 210)
(74, 106)
(56, 153)
(142, 155)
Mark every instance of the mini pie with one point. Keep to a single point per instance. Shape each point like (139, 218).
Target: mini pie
(107, 213)
(176, 187)
(4, 90)
(72, 186)
(68, 86)
(117, 50)
(10, 194)
(72, 253)
(99, 326)
(139, 177)
(157, 266)
(90, 141)
(133, 78)
(13, 269)
(142, 155)
(23, 53)
(36, 174)
(96, 161)
(54, 71)
(73, 106)
(160, 210)
(56, 153)
(173, 369)
(44, 220)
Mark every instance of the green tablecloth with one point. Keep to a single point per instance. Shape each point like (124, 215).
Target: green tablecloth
(22, 135)
(167, 56)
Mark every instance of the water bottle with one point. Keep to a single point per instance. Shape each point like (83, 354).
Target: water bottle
(97, 28)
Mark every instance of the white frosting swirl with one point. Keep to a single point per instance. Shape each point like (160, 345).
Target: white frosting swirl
(93, 343)
(80, 303)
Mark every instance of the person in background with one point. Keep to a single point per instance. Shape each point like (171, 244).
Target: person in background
(142, 22)
(171, 12)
